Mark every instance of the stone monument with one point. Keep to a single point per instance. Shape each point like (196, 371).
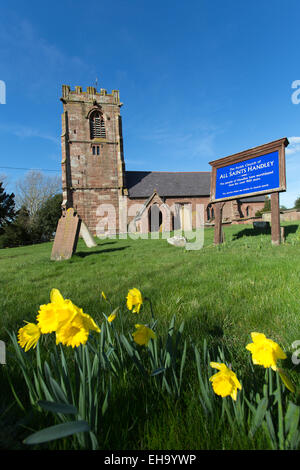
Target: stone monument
(66, 237)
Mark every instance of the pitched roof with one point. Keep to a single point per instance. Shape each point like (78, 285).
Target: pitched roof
(143, 183)
(259, 198)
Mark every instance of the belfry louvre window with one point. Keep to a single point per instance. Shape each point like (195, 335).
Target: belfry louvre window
(97, 126)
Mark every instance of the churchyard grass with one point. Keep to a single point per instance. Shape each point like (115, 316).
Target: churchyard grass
(222, 294)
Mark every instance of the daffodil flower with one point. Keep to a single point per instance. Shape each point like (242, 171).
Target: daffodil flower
(103, 296)
(143, 334)
(53, 315)
(265, 352)
(134, 300)
(69, 322)
(29, 335)
(111, 317)
(225, 382)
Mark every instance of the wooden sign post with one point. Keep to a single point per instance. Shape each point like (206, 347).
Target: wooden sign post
(218, 210)
(257, 171)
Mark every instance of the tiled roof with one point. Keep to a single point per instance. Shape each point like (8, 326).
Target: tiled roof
(254, 199)
(142, 184)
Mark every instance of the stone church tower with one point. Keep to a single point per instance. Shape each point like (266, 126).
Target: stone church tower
(93, 169)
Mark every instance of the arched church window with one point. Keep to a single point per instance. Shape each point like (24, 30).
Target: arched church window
(97, 126)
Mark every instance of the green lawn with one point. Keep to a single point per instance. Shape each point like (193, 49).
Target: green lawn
(222, 294)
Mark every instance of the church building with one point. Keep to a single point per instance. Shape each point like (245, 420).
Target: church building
(106, 196)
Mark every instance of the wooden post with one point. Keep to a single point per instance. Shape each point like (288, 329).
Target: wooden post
(275, 219)
(218, 209)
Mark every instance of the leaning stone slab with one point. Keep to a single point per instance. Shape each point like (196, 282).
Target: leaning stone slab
(66, 237)
(177, 241)
(86, 235)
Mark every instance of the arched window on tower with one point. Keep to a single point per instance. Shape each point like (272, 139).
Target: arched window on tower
(97, 126)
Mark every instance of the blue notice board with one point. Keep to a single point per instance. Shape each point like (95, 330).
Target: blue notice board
(249, 176)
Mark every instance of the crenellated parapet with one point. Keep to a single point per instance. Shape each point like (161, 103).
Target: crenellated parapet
(90, 95)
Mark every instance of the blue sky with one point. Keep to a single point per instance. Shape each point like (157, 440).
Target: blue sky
(199, 80)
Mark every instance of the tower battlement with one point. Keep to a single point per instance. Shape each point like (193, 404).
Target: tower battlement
(91, 94)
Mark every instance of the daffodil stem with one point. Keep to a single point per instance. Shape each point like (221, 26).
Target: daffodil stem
(280, 414)
(270, 381)
(151, 308)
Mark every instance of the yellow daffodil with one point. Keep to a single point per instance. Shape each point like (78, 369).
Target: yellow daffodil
(103, 296)
(72, 333)
(56, 297)
(111, 317)
(71, 324)
(143, 334)
(225, 382)
(76, 330)
(29, 335)
(265, 352)
(56, 313)
(134, 300)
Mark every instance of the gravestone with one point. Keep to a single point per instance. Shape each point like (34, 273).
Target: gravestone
(177, 241)
(66, 237)
(86, 235)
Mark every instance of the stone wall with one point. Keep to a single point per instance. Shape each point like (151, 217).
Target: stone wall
(285, 216)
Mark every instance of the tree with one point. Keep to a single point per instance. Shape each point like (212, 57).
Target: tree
(267, 206)
(35, 189)
(45, 221)
(18, 232)
(297, 203)
(22, 231)
(7, 207)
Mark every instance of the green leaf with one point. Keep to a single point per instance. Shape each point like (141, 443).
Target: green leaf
(158, 371)
(205, 397)
(134, 355)
(287, 380)
(57, 432)
(271, 430)
(57, 390)
(105, 404)
(291, 424)
(56, 407)
(259, 415)
(182, 361)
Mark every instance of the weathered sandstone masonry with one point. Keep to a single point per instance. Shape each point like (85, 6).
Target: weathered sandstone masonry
(92, 151)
